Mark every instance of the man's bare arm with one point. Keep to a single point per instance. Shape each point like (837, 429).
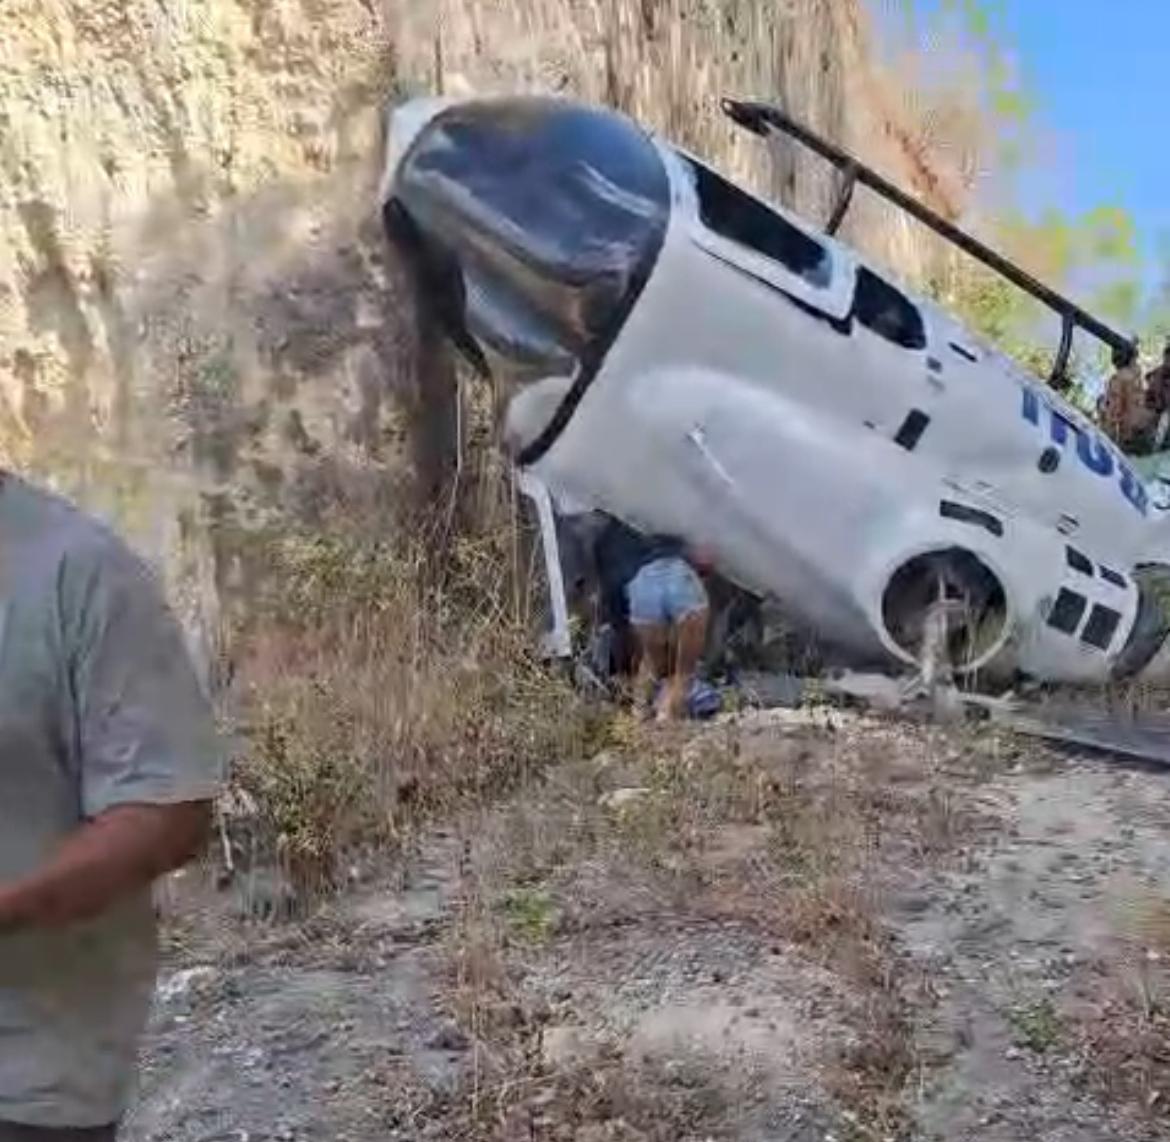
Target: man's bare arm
(119, 852)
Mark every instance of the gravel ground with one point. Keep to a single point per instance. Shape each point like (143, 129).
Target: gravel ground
(351, 1027)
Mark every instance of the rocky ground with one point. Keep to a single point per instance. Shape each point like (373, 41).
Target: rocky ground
(785, 927)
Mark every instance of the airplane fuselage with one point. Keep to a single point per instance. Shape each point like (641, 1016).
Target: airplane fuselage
(697, 361)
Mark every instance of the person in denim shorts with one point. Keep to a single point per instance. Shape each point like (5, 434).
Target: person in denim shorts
(665, 603)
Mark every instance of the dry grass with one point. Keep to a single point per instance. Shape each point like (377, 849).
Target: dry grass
(784, 836)
(1123, 1032)
(374, 692)
(1126, 1041)
(607, 1101)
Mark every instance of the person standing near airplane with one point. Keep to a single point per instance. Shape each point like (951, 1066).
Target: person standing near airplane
(109, 763)
(1158, 399)
(1125, 411)
(650, 582)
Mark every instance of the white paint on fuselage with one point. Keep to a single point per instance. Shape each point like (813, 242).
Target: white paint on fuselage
(731, 416)
(726, 414)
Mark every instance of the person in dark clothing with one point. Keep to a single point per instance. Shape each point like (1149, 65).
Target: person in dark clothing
(1158, 400)
(649, 588)
(619, 552)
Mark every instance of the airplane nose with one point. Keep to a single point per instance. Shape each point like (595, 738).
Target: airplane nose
(403, 125)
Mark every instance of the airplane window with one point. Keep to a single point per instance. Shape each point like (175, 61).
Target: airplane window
(734, 214)
(1067, 611)
(1101, 627)
(1111, 576)
(912, 429)
(887, 311)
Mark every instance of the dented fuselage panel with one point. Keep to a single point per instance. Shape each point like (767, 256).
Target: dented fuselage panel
(696, 361)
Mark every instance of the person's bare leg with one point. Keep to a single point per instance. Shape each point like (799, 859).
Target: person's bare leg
(691, 639)
(653, 642)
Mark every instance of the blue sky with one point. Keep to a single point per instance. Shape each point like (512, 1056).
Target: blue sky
(1098, 76)
(1096, 80)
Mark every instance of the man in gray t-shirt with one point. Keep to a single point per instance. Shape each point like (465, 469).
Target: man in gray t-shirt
(108, 763)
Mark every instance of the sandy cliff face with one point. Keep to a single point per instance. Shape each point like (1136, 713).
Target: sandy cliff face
(157, 160)
(198, 331)
(123, 124)
(669, 61)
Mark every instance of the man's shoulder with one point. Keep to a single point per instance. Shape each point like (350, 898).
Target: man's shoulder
(46, 531)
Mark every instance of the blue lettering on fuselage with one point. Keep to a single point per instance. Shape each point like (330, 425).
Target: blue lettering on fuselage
(1093, 451)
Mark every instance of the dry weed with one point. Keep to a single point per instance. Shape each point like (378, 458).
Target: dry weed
(1124, 1031)
(783, 838)
(608, 1101)
(373, 692)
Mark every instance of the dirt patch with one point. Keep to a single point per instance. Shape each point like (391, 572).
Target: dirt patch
(786, 928)
(1022, 942)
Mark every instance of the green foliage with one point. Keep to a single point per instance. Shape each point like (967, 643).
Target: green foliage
(216, 375)
(979, 21)
(1111, 235)
(978, 17)
(975, 24)
(1094, 257)
(530, 914)
(1155, 313)
(1120, 301)
(1036, 1025)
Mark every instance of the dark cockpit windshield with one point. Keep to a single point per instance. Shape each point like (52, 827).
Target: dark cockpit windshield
(539, 220)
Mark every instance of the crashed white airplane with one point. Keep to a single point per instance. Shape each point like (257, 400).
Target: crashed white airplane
(698, 362)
